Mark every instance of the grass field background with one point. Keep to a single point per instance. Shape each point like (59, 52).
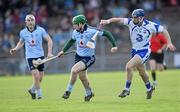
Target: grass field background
(106, 86)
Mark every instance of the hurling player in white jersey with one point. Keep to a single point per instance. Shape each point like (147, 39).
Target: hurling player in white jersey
(141, 31)
(32, 37)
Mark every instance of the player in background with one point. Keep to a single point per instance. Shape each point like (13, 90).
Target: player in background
(32, 37)
(158, 44)
(85, 56)
(141, 31)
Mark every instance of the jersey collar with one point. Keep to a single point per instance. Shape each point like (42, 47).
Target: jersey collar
(33, 29)
(84, 29)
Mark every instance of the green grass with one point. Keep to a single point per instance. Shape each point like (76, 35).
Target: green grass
(106, 86)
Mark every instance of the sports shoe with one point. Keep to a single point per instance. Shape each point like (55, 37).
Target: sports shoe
(39, 97)
(155, 83)
(149, 93)
(88, 98)
(33, 95)
(66, 94)
(124, 93)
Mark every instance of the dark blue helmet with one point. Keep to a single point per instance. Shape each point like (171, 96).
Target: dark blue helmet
(138, 13)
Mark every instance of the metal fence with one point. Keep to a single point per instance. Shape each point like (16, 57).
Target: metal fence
(104, 62)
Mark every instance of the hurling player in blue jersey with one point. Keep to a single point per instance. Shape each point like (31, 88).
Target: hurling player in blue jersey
(32, 37)
(140, 32)
(85, 56)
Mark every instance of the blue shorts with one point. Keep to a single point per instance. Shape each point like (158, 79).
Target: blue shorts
(32, 67)
(144, 54)
(88, 61)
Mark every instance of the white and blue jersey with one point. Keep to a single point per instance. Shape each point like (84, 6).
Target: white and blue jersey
(141, 35)
(82, 38)
(33, 41)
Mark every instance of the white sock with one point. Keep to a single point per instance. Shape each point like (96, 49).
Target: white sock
(69, 87)
(39, 93)
(33, 89)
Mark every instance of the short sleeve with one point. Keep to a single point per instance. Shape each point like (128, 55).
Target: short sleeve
(100, 33)
(157, 28)
(73, 35)
(21, 36)
(127, 21)
(44, 33)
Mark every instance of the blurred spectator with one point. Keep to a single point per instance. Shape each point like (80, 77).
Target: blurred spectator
(148, 5)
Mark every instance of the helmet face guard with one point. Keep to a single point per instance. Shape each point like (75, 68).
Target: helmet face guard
(79, 19)
(138, 13)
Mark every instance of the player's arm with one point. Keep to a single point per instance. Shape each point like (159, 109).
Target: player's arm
(169, 42)
(18, 46)
(112, 20)
(66, 47)
(110, 37)
(50, 45)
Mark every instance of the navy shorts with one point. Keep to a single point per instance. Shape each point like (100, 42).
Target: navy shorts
(88, 61)
(32, 67)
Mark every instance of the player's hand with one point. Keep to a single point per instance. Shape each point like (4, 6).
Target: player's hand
(60, 53)
(12, 51)
(114, 49)
(49, 55)
(104, 22)
(171, 47)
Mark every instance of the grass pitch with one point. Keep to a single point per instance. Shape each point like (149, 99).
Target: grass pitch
(106, 86)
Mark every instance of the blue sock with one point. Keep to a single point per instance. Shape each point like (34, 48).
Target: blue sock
(148, 86)
(69, 87)
(88, 91)
(128, 84)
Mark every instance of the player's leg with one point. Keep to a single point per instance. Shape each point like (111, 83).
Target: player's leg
(129, 69)
(79, 66)
(35, 75)
(84, 79)
(145, 78)
(41, 74)
(36, 79)
(153, 66)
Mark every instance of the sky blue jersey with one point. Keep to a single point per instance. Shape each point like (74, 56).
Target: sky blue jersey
(33, 41)
(82, 38)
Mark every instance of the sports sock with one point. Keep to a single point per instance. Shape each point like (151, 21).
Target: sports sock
(128, 84)
(148, 86)
(39, 93)
(33, 89)
(88, 91)
(153, 75)
(69, 87)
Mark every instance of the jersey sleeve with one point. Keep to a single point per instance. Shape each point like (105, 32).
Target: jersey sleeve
(100, 33)
(163, 39)
(157, 28)
(73, 35)
(44, 33)
(127, 21)
(21, 36)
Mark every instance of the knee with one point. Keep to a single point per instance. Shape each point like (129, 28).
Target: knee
(128, 67)
(74, 71)
(36, 77)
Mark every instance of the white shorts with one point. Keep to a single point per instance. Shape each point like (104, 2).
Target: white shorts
(143, 53)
